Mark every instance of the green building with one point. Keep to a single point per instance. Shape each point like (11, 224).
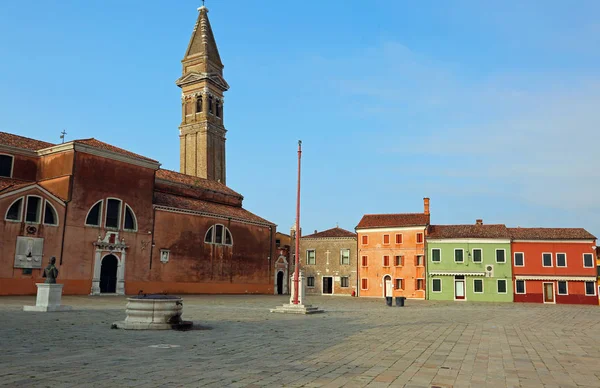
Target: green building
(469, 262)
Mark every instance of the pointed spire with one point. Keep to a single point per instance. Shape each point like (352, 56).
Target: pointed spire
(202, 43)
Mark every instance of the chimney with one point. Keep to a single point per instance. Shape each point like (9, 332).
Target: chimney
(479, 222)
(426, 205)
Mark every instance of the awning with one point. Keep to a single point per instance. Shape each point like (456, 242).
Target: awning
(450, 273)
(562, 278)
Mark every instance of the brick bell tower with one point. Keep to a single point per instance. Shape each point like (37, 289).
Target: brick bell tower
(202, 133)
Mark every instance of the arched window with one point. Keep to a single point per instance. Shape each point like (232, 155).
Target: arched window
(199, 104)
(218, 108)
(93, 216)
(219, 235)
(210, 104)
(15, 210)
(50, 216)
(130, 222)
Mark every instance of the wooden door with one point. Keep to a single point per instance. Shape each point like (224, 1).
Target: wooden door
(548, 292)
(459, 289)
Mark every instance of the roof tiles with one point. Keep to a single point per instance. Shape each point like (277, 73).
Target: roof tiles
(332, 233)
(550, 234)
(194, 181)
(393, 220)
(198, 205)
(107, 147)
(22, 142)
(469, 231)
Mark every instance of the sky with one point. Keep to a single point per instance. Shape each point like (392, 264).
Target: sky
(491, 109)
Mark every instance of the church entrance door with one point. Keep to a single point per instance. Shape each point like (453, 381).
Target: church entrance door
(327, 285)
(279, 282)
(108, 275)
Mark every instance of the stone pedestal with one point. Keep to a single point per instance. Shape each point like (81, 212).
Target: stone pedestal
(48, 298)
(299, 308)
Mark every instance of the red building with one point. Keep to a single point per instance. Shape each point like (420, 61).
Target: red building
(117, 223)
(554, 265)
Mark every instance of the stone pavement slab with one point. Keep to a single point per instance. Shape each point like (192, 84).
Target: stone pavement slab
(356, 343)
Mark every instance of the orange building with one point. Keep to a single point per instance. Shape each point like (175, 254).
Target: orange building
(391, 254)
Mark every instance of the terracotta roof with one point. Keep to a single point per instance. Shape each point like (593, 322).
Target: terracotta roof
(393, 220)
(22, 142)
(469, 231)
(174, 201)
(332, 233)
(550, 234)
(8, 184)
(107, 147)
(194, 181)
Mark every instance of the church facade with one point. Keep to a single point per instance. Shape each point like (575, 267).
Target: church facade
(119, 224)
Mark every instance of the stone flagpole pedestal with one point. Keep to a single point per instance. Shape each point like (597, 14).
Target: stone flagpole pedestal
(299, 308)
(48, 298)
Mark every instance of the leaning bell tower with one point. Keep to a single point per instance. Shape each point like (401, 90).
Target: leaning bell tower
(202, 133)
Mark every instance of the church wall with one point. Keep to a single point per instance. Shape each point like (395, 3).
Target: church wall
(55, 165)
(96, 179)
(198, 267)
(24, 167)
(13, 281)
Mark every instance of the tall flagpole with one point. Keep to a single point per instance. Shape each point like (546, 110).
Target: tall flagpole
(297, 262)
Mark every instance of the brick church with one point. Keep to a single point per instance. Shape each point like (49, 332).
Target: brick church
(117, 223)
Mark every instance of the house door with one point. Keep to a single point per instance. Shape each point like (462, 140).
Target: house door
(279, 282)
(327, 285)
(459, 289)
(548, 292)
(388, 291)
(108, 275)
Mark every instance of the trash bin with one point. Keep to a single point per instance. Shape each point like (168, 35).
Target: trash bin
(400, 301)
(388, 300)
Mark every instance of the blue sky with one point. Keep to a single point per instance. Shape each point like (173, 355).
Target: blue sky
(491, 109)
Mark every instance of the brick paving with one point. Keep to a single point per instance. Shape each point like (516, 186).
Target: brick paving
(356, 343)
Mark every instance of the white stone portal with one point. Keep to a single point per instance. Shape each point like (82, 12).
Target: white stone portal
(48, 298)
(299, 308)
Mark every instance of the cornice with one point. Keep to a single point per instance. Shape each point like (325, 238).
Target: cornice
(33, 186)
(99, 152)
(17, 151)
(216, 216)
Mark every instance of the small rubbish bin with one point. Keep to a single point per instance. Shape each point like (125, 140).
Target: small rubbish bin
(388, 300)
(400, 301)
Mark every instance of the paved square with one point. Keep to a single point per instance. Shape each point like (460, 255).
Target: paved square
(356, 343)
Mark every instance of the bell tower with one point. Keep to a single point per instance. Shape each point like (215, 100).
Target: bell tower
(201, 132)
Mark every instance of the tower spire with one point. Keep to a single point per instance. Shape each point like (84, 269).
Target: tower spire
(202, 132)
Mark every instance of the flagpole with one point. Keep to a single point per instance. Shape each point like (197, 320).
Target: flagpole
(297, 261)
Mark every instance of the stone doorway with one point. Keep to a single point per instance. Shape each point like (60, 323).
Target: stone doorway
(108, 274)
(279, 282)
(327, 285)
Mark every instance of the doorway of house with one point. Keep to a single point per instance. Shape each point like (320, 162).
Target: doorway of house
(327, 285)
(459, 288)
(108, 275)
(279, 282)
(388, 290)
(548, 292)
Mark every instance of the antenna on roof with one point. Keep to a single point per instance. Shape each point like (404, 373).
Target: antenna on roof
(62, 135)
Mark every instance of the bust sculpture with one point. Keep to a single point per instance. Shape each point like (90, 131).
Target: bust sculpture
(51, 272)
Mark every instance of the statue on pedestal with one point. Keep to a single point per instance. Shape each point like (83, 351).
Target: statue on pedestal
(51, 272)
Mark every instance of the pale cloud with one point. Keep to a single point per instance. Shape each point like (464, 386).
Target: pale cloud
(529, 136)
